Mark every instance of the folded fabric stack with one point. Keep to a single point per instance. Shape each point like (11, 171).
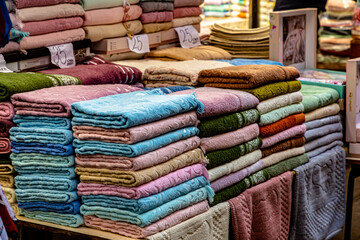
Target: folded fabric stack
(187, 14)
(111, 19)
(140, 165)
(157, 15)
(43, 153)
(49, 23)
(266, 7)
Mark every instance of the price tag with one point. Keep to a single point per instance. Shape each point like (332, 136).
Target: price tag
(63, 55)
(139, 43)
(188, 36)
(3, 67)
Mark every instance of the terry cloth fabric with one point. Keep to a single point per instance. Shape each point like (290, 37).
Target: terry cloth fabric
(279, 102)
(247, 76)
(16, 209)
(187, 12)
(158, 185)
(4, 145)
(213, 224)
(6, 110)
(41, 135)
(5, 126)
(217, 125)
(323, 112)
(135, 231)
(143, 205)
(230, 139)
(323, 141)
(62, 172)
(137, 178)
(56, 102)
(6, 169)
(30, 3)
(180, 22)
(33, 159)
(282, 125)
(284, 145)
(187, 3)
(42, 122)
(47, 149)
(63, 208)
(325, 148)
(10, 194)
(280, 113)
(322, 122)
(317, 97)
(220, 157)
(318, 209)
(71, 220)
(297, 131)
(171, 89)
(323, 131)
(7, 181)
(156, 6)
(151, 216)
(117, 111)
(45, 182)
(156, 27)
(45, 195)
(263, 212)
(94, 4)
(111, 15)
(183, 54)
(240, 61)
(141, 162)
(281, 156)
(157, 17)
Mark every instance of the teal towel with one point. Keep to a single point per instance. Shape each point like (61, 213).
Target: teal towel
(317, 97)
(66, 172)
(70, 220)
(44, 195)
(341, 89)
(38, 159)
(42, 122)
(280, 113)
(133, 150)
(41, 135)
(151, 216)
(45, 182)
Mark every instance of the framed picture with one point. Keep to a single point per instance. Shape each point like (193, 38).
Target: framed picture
(293, 37)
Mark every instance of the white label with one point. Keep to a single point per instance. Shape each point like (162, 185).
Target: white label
(188, 36)
(3, 67)
(63, 55)
(139, 43)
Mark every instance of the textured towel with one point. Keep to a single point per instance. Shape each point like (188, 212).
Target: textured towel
(45, 182)
(240, 61)
(95, 4)
(263, 212)
(16, 209)
(6, 110)
(10, 194)
(280, 113)
(187, 3)
(284, 145)
(7, 181)
(41, 160)
(6, 169)
(4, 145)
(324, 148)
(172, 89)
(279, 102)
(45, 195)
(281, 156)
(318, 209)
(156, 17)
(217, 125)
(63, 208)
(317, 97)
(187, 12)
(156, 27)
(248, 76)
(5, 126)
(41, 135)
(180, 22)
(137, 178)
(297, 131)
(56, 172)
(322, 122)
(323, 112)
(323, 141)
(31, 3)
(47, 149)
(282, 125)
(57, 218)
(42, 122)
(156, 6)
(323, 131)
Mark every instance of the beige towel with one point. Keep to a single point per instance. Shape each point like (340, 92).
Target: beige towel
(319, 113)
(6, 169)
(156, 27)
(7, 181)
(280, 156)
(10, 194)
(16, 209)
(180, 22)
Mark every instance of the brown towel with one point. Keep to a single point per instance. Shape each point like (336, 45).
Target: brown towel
(6, 169)
(7, 181)
(282, 146)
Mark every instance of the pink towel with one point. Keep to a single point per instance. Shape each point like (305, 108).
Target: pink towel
(11, 47)
(134, 231)
(6, 110)
(263, 211)
(40, 3)
(230, 139)
(297, 131)
(170, 180)
(157, 17)
(187, 3)
(187, 12)
(4, 145)
(56, 101)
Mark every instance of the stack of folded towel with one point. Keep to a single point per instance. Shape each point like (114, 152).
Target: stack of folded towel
(218, 8)
(186, 13)
(157, 15)
(140, 165)
(49, 22)
(111, 19)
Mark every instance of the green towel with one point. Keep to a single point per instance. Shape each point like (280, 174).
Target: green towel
(11, 83)
(316, 97)
(341, 89)
(221, 157)
(287, 165)
(217, 125)
(280, 113)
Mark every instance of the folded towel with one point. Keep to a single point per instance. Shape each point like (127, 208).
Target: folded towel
(7, 181)
(171, 89)
(322, 122)
(297, 131)
(95, 4)
(70, 220)
(41, 160)
(151, 216)
(247, 76)
(42, 122)
(325, 148)
(63, 208)
(187, 12)
(56, 172)
(158, 185)
(323, 131)
(137, 178)
(240, 61)
(41, 135)
(323, 112)
(284, 145)
(156, 27)
(45, 182)
(45, 195)
(217, 125)
(16, 209)
(282, 125)
(230, 139)
(281, 156)
(30, 3)
(156, 17)
(156, 6)
(47, 149)
(6, 109)
(5, 126)
(280, 113)
(317, 97)
(10, 194)
(180, 22)
(279, 102)
(6, 169)
(4, 145)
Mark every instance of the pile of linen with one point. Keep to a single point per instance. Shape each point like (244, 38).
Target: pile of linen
(157, 15)
(187, 13)
(266, 7)
(140, 165)
(218, 8)
(48, 22)
(111, 19)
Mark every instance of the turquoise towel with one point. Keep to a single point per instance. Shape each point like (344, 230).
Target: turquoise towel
(45, 195)
(52, 149)
(69, 220)
(143, 205)
(41, 135)
(42, 122)
(45, 182)
(37, 159)
(316, 97)
(151, 216)
(133, 150)
(341, 89)
(132, 109)
(66, 172)
(280, 113)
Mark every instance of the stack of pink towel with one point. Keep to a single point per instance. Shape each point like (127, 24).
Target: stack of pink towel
(157, 15)
(187, 12)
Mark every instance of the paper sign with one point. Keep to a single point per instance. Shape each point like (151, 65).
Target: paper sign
(3, 67)
(139, 43)
(63, 55)
(188, 36)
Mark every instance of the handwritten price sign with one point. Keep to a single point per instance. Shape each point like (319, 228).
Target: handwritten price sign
(139, 43)
(188, 36)
(3, 67)
(63, 55)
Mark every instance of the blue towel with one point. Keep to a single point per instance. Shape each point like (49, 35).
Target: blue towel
(42, 122)
(45, 195)
(41, 135)
(240, 61)
(70, 220)
(143, 205)
(132, 109)
(322, 122)
(52, 149)
(45, 182)
(66, 172)
(64, 208)
(323, 141)
(37, 159)
(151, 216)
(172, 89)
(133, 150)
(320, 150)
(322, 131)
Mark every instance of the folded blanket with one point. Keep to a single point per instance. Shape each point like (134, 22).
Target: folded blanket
(187, 12)
(7, 181)
(95, 4)
(180, 22)
(5, 146)
(41, 135)
(323, 131)
(56, 172)
(137, 178)
(45, 182)
(38, 160)
(280, 113)
(31, 3)
(111, 15)
(230, 139)
(151, 216)
(45, 195)
(42, 122)
(322, 122)
(217, 125)
(317, 97)
(281, 156)
(279, 102)
(156, 6)
(10, 194)
(62, 208)
(6, 109)
(220, 157)
(47, 149)
(284, 145)
(297, 131)
(70, 220)
(6, 169)
(156, 27)
(282, 125)
(156, 17)
(248, 76)
(56, 102)
(323, 112)
(5, 126)
(264, 210)
(187, 3)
